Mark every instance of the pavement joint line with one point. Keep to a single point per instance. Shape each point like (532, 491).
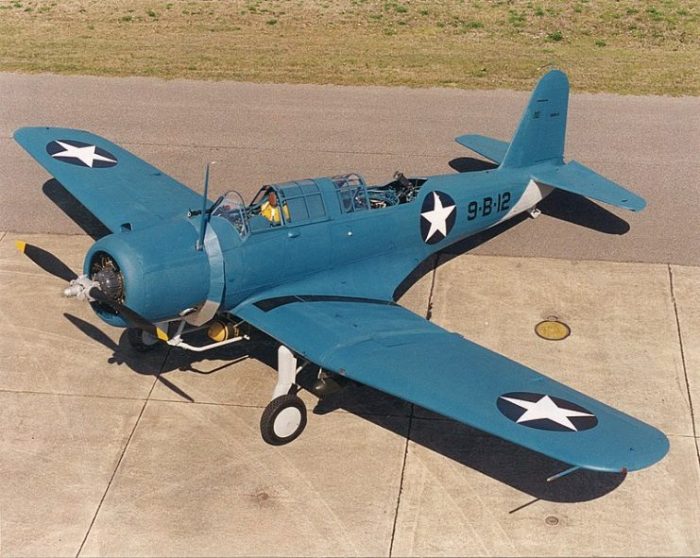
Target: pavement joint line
(249, 406)
(429, 308)
(428, 312)
(123, 453)
(63, 394)
(338, 410)
(213, 404)
(209, 403)
(2, 236)
(683, 360)
(401, 481)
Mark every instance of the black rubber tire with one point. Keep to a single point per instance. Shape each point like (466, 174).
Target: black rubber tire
(135, 337)
(273, 411)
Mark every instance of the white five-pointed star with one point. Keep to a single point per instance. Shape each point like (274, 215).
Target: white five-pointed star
(85, 154)
(545, 408)
(437, 217)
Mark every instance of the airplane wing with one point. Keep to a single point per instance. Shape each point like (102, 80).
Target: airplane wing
(114, 185)
(381, 344)
(493, 149)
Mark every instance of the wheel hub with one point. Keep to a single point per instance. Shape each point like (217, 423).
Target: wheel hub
(287, 422)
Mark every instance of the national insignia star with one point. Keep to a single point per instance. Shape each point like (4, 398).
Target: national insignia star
(86, 154)
(437, 217)
(545, 408)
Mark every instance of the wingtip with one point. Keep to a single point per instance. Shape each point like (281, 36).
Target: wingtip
(21, 245)
(635, 204)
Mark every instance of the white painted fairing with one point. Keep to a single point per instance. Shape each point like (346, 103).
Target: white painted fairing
(533, 194)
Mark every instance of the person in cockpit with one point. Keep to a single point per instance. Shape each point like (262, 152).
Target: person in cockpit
(270, 209)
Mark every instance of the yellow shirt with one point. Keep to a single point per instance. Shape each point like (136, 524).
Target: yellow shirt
(272, 213)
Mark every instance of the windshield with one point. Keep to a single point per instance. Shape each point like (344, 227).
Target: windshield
(232, 209)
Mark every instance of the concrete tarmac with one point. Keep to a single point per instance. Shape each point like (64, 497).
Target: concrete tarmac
(106, 452)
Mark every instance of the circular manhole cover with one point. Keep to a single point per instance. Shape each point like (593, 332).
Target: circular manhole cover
(552, 329)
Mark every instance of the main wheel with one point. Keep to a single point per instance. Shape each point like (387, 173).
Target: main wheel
(283, 420)
(141, 340)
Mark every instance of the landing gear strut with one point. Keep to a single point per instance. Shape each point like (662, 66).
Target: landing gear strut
(284, 418)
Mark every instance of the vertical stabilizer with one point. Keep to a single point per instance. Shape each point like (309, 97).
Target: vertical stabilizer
(542, 129)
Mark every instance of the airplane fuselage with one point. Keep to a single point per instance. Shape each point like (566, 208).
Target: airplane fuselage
(234, 266)
(470, 203)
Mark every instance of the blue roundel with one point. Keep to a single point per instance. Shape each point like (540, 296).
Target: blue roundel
(544, 412)
(437, 217)
(81, 154)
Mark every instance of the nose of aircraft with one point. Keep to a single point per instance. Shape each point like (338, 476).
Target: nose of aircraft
(157, 272)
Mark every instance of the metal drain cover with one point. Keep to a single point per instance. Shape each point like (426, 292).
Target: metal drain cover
(552, 329)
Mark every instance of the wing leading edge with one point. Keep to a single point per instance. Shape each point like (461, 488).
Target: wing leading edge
(116, 186)
(385, 346)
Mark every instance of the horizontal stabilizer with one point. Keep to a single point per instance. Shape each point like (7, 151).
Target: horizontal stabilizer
(578, 179)
(493, 149)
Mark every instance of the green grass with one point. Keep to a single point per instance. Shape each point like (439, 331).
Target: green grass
(620, 46)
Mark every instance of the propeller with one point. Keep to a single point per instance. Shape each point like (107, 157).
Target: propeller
(132, 317)
(78, 285)
(46, 261)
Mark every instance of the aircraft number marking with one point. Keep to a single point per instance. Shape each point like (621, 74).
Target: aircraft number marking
(488, 205)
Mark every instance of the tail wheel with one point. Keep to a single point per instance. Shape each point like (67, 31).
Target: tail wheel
(283, 420)
(140, 340)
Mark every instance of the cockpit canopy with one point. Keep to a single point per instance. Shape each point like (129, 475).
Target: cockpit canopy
(233, 210)
(301, 202)
(352, 192)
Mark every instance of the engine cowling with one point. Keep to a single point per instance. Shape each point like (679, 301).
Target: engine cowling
(158, 272)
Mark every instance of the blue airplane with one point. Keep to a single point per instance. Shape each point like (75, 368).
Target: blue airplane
(315, 264)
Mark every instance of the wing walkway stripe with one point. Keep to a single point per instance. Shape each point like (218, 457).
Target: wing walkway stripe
(268, 304)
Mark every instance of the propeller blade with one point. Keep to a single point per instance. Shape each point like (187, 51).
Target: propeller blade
(131, 316)
(46, 261)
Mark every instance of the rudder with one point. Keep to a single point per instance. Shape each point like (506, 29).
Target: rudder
(541, 133)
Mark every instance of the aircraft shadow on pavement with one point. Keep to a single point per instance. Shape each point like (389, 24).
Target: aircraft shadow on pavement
(583, 212)
(559, 205)
(523, 469)
(458, 249)
(70, 205)
(161, 359)
(470, 164)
